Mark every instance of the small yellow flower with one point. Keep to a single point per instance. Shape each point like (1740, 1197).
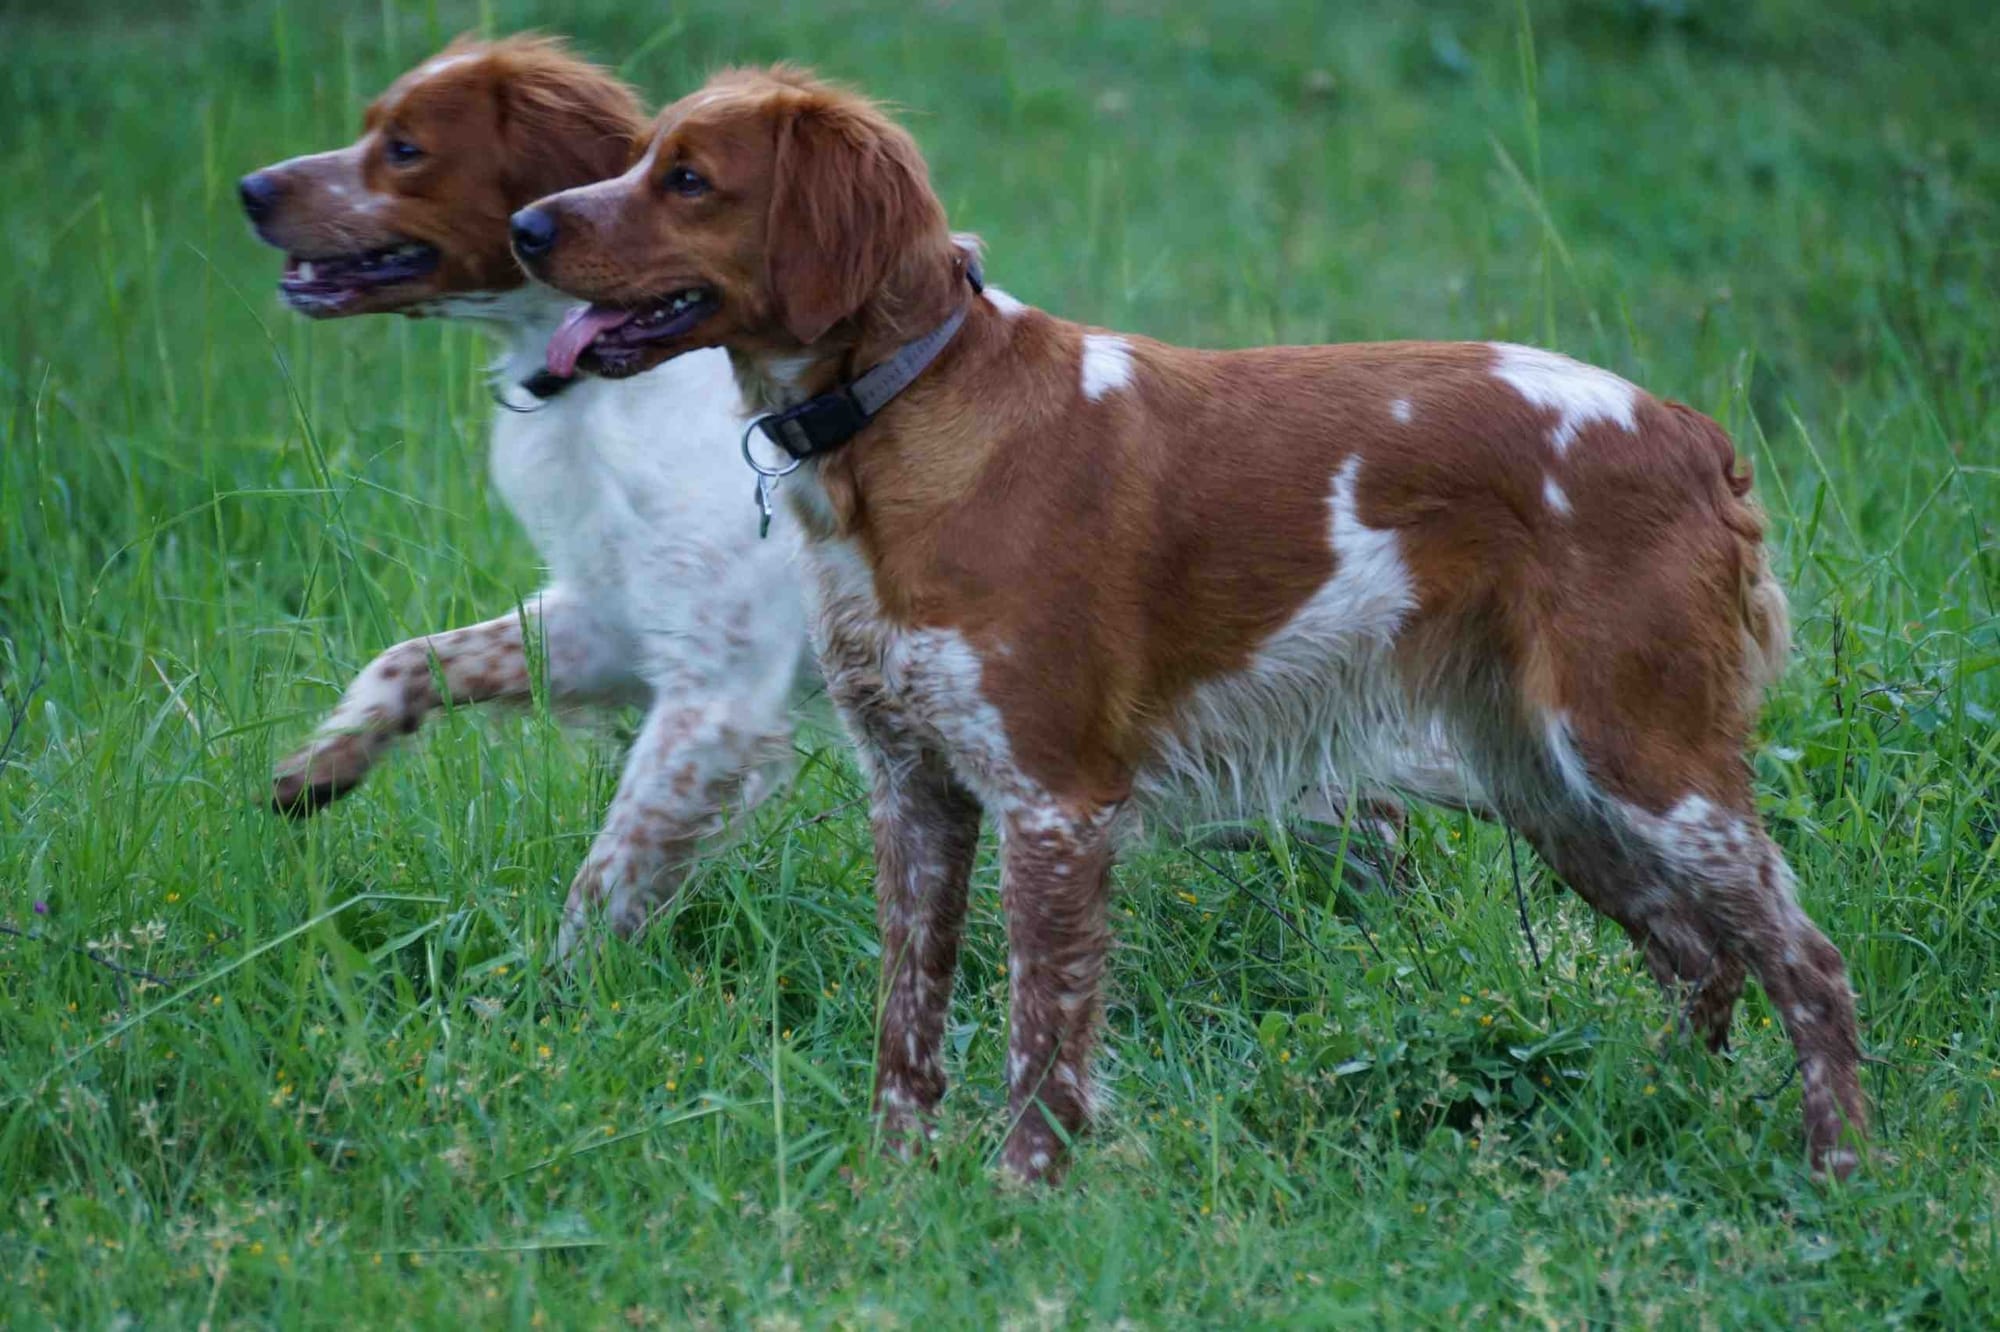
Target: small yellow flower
(257, 1246)
(610, 1130)
(500, 970)
(671, 1084)
(215, 1001)
(173, 897)
(1650, 1089)
(1464, 999)
(543, 1051)
(1189, 898)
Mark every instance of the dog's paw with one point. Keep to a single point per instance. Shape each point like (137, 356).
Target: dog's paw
(318, 775)
(583, 921)
(1033, 1155)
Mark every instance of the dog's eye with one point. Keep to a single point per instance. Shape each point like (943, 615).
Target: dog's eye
(402, 152)
(682, 181)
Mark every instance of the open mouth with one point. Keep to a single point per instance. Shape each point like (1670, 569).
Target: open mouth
(615, 336)
(326, 285)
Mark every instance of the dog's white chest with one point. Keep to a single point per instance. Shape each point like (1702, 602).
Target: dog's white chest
(633, 494)
(903, 689)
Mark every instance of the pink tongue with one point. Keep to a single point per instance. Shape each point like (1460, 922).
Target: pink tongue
(580, 328)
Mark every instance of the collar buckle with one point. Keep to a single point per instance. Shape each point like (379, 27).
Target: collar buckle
(822, 424)
(817, 425)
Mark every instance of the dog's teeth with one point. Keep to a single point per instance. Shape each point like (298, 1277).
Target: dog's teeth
(305, 272)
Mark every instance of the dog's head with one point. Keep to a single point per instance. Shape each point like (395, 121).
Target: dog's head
(415, 211)
(769, 209)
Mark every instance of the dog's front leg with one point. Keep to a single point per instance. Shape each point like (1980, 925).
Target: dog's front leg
(476, 664)
(691, 767)
(1055, 889)
(926, 829)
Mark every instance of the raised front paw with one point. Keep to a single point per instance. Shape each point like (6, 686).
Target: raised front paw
(319, 774)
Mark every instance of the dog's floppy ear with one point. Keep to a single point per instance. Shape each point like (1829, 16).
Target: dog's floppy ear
(850, 199)
(563, 122)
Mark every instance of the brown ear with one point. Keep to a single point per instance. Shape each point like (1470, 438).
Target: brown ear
(850, 198)
(563, 122)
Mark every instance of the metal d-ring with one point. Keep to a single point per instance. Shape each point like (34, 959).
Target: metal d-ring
(768, 473)
(767, 478)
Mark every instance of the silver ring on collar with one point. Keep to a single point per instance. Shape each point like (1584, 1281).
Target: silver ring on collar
(768, 473)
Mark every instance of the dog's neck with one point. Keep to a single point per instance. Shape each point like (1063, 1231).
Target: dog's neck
(771, 381)
(519, 321)
(921, 294)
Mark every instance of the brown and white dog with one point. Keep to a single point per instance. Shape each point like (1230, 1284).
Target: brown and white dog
(658, 594)
(1068, 570)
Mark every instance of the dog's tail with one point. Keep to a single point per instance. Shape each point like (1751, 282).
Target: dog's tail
(1761, 605)
(1767, 619)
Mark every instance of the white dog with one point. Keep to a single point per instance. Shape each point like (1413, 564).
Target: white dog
(660, 591)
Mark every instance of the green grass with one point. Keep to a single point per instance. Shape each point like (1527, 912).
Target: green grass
(358, 1099)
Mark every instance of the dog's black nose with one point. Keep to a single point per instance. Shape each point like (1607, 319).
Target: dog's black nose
(259, 193)
(534, 232)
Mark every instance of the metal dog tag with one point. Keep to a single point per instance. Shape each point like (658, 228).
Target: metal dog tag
(767, 478)
(767, 487)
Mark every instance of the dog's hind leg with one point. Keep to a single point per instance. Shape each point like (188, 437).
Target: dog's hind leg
(1683, 864)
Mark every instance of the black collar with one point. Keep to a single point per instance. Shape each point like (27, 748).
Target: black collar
(822, 424)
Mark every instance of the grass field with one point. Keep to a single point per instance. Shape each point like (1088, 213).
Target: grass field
(356, 1098)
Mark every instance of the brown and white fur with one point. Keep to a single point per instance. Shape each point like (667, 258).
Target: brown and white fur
(658, 594)
(1069, 571)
